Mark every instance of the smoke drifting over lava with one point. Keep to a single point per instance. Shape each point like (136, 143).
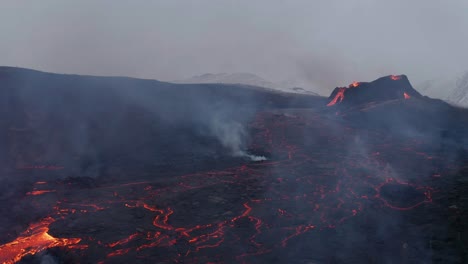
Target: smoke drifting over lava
(125, 170)
(233, 136)
(182, 171)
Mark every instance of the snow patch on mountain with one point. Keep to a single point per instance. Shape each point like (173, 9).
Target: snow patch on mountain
(459, 95)
(440, 88)
(290, 86)
(451, 89)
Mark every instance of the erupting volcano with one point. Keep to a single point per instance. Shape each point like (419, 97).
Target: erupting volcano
(386, 88)
(355, 188)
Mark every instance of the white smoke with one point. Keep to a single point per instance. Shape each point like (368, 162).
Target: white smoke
(250, 156)
(232, 135)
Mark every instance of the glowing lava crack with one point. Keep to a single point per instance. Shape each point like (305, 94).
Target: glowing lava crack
(244, 212)
(33, 240)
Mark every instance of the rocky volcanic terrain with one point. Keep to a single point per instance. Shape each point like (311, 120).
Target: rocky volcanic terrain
(120, 170)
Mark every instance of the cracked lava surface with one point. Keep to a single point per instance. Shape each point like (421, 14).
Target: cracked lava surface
(321, 180)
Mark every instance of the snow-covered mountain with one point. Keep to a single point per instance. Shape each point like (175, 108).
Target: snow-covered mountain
(247, 78)
(451, 89)
(459, 95)
(440, 88)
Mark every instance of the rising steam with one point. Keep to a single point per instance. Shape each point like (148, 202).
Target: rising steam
(232, 135)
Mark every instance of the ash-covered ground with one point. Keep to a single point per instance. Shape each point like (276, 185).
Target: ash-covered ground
(117, 170)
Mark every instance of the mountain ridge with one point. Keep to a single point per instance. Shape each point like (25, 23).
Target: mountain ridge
(246, 78)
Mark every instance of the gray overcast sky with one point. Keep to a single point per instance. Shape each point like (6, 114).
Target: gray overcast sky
(326, 43)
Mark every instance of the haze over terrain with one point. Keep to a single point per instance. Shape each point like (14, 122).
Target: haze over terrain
(154, 132)
(116, 169)
(323, 45)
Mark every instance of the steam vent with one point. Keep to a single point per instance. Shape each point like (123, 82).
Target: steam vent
(386, 88)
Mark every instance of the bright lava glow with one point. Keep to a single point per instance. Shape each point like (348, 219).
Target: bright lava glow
(33, 240)
(407, 96)
(39, 192)
(338, 97)
(260, 223)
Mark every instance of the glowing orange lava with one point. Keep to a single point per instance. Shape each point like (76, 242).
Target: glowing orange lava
(39, 192)
(339, 96)
(260, 224)
(124, 241)
(354, 84)
(395, 77)
(33, 240)
(407, 96)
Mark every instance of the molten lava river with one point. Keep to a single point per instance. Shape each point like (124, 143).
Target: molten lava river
(328, 193)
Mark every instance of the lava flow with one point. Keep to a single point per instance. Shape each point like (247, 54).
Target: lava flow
(39, 192)
(339, 97)
(34, 239)
(246, 213)
(407, 96)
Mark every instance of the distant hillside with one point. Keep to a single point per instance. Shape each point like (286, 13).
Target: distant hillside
(83, 122)
(246, 78)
